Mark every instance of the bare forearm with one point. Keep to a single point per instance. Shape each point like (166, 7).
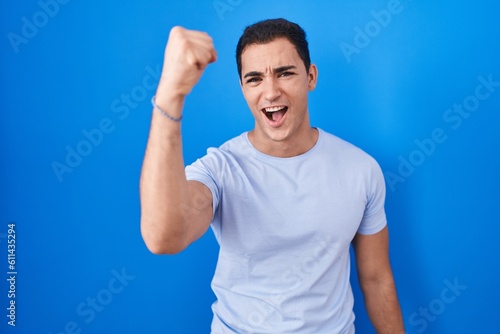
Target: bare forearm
(383, 306)
(166, 208)
(163, 185)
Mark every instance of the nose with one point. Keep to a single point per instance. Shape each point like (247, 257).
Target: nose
(271, 89)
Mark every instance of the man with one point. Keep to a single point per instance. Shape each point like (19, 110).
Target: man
(284, 200)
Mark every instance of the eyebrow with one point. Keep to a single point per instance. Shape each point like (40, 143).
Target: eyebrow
(275, 70)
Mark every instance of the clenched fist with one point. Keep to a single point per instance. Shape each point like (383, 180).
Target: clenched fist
(187, 54)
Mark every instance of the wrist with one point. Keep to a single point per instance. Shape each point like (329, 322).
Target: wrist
(171, 90)
(166, 97)
(169, 101)
(164, 112)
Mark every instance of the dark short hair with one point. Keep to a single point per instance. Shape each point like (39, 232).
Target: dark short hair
(266, 31)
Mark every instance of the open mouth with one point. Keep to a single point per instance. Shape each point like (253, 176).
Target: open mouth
(275, 114)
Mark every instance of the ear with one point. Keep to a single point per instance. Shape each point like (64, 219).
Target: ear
(312, 77)
(241, 87)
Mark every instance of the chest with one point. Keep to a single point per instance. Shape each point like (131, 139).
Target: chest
(266, 207)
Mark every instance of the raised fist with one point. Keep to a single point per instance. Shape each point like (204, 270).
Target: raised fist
(187, 54)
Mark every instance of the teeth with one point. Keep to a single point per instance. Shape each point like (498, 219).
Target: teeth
(274, 109)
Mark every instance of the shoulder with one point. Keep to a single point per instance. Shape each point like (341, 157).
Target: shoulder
(344, 150)
(217, 157)
(235, 144)
(354, 163)
(233, 147)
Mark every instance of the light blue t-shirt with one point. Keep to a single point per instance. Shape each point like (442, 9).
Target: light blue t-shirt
(284, 226)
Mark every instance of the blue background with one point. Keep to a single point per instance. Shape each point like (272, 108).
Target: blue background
(78, 231)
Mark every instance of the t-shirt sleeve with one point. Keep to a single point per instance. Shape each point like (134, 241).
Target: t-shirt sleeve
(374, 219)
(204, 170)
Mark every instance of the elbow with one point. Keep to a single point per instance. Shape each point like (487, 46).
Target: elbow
(162, 244)
(376, 281)
(163, 249)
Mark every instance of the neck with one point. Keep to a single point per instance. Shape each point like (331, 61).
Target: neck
(297, 144)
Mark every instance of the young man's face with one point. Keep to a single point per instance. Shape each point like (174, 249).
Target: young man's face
(275, 84)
